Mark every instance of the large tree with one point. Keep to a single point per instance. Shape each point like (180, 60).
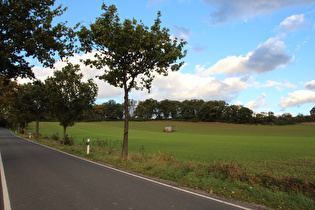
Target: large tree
(20, 112)
(147, 109)
(164, 107)
(129, 53)
(69, 96)
(113, 110)
(8, 93)
(27, 32)
(35, 101)
(189, 109)
(212, 111)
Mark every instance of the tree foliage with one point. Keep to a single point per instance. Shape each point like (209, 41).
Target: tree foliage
(113, 110)
(36, 101)
(69, 96)
(147, 109)
(129, 53)
(189, 109)
(9, 91)
(165, 108)
(19, 112)
(27, 32)
(212, 110)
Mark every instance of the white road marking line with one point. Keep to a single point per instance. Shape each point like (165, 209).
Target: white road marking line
(6, 199)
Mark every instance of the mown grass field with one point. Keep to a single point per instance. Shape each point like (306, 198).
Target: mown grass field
(268, 153)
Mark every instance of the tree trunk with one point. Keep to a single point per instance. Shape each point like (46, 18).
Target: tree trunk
(64, 134)
(37, 128)
(126, 127)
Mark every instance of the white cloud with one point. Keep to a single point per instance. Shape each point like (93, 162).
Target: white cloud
(199, 69)
(278, 85)
(266, 57)
(229, 10)
(292, 23)
(105, 90)
(177, 85)
(181, 86)
(40, 73)
(272, 83)
(238, 103)
(289, 85)
(298, 98)
(257, 103)
(310, 85)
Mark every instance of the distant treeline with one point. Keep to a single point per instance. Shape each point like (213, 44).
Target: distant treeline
(192, 110)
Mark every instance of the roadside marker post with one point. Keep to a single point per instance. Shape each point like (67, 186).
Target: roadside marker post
(88, 147)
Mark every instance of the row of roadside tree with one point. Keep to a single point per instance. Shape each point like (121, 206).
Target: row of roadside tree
(64, 97)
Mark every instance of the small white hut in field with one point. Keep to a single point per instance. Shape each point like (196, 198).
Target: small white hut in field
(169, 128)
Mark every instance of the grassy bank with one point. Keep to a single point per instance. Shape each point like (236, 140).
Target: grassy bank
(268, 165)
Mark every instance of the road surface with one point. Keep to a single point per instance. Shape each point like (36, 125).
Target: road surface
(39, 178)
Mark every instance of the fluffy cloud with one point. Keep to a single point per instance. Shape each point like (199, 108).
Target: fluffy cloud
(228, 10)
(297, 98)
(199, 69)
(310, 85)
(104, 89)
(266, 57)
(292, 23)
(179, 86)
(257, 103)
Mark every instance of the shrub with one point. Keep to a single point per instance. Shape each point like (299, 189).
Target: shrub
(69, 140)
(230, 170)
(55, 137)
(165, 157)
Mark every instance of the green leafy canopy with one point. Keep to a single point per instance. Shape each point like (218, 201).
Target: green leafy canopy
(27, 33)
(69, 95)
(130, 49)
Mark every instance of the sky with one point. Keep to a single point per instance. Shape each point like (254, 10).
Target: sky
(259, 54)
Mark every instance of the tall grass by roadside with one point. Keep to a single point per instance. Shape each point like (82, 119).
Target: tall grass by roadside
(234, 178)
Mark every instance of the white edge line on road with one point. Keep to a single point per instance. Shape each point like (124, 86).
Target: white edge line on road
(6, 199)
(140, 177)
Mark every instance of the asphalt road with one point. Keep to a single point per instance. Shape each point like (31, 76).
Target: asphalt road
(39, 178)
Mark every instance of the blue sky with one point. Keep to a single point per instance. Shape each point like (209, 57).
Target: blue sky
(260, 54)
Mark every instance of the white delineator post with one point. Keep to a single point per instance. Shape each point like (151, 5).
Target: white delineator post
(88, 147)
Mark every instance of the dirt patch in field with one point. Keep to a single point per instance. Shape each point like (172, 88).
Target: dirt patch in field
(308, 123)
(214, 124)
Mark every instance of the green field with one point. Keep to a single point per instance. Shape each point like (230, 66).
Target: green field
(276, 150)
